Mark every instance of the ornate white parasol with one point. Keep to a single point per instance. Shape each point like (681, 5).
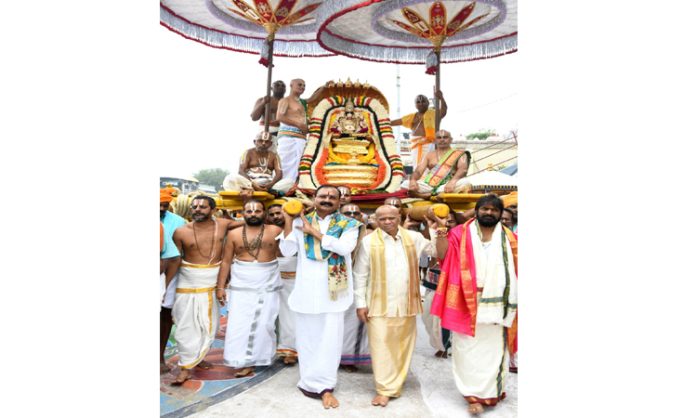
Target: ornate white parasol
(419, 31)
(269, 27)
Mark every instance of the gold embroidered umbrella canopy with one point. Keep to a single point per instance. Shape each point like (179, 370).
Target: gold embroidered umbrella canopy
(419, 31)
(269, 27)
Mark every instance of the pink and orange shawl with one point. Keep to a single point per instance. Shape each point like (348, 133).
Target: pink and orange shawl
(455, 298)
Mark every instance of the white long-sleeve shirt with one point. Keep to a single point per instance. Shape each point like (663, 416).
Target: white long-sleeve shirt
(311, 292)
(397, 270)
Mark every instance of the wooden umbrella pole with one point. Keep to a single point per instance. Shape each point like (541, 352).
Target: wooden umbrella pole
(437, 88)
(267, 110)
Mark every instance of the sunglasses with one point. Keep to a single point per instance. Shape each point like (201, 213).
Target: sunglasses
(349, 213)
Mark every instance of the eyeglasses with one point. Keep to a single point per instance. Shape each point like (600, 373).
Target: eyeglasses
(440, 136)
(349, 213)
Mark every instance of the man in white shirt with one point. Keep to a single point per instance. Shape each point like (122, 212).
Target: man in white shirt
(389, 303)
(323, 240)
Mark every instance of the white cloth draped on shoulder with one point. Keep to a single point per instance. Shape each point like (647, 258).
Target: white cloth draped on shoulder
(195, 312)
(491, 270)
(250, 339)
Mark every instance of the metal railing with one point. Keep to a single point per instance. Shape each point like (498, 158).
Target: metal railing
(511, 137)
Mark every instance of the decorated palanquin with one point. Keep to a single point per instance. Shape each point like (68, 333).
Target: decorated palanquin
(351, 142)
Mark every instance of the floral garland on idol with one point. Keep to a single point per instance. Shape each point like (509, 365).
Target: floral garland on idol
(309, 163)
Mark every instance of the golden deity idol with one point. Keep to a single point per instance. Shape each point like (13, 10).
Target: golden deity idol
(350, 138)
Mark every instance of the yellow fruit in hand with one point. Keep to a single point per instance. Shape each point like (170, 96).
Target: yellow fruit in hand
(293, 207)
(441, 210)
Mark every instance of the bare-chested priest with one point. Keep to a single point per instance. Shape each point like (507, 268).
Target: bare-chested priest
(250, 339)
(258, 113)
(292, 134)
(194, 312)
(446, 169)
(259, 170)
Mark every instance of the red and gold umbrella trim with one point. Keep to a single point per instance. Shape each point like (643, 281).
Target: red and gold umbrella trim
(503, 44)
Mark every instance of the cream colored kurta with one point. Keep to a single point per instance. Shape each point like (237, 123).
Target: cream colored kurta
(397, 271)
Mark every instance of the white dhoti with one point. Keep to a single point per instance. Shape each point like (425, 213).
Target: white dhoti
(356, 349)
(250, 338)
(319, 342)
(170, 292)
(461, 186)
(163, 288)
(237, 183)
(286, 317)
(432, 322)
(291, 144)
(195, 312)
(480, 364)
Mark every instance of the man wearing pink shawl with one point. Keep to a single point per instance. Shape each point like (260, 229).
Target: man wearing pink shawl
(476, 299)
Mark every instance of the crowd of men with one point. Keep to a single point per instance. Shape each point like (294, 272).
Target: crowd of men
(323, 276)
(344, 287)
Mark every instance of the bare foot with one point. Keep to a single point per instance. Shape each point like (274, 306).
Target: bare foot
(329, 401)
(184, 375)
(475, 408)
(244, 372)
(205, 365)
(380, 400)
(246, 193)
(439, 353)
(290, 360)
(349, 368)
(164, 368)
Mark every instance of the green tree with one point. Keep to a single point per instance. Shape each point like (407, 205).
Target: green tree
(481, 135)
(212, 177)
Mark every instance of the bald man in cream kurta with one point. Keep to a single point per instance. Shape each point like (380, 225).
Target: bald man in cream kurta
(391, 327)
